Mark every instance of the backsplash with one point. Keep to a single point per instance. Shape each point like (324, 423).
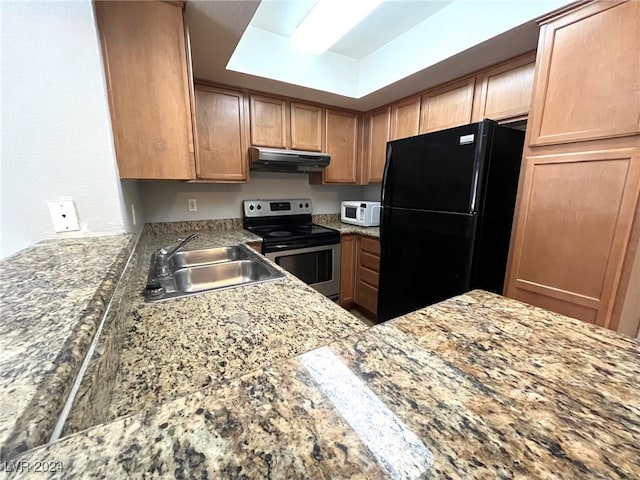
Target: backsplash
(167, 201)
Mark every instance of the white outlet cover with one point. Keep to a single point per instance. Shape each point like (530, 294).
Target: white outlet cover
(193, 205)
(64, 216)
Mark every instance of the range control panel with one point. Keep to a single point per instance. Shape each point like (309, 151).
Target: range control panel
(269, 208)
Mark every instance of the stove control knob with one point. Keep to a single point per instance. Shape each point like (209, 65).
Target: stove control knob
(250, 207)
(259, 207)
(300, 205)
(306, 205)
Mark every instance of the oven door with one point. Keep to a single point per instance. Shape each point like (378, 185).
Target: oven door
(318, 267)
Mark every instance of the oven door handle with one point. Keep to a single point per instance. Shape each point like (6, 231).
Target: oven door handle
(282, 247)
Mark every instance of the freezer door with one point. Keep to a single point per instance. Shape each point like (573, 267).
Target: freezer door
(437, 171)
(425, 257)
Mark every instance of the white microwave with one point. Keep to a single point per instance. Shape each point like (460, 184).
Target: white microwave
(364, 214)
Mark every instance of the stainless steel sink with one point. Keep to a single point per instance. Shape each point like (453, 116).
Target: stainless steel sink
(220, 275)
(196, 271)
(192, 258)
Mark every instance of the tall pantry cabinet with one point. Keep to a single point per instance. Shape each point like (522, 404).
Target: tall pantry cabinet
(577, 221)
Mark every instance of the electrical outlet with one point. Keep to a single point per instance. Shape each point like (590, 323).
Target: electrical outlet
(193, 205)
(133, 215)
(64, 216)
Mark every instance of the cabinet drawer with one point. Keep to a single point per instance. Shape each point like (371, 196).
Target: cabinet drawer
(367, 297)
(371, 245)
(368, 276)
(369, 261)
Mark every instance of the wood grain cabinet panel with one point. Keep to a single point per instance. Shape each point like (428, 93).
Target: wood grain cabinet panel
(379, 123)
(348, 255)
(221, 134)
(577, 222)
(574, 222)
(447, 107)
(366, 294)
(589, 75)
(269, 122)
(504, 92)
(145, 57)
(306, 127)
(405, 118)
(342, 144)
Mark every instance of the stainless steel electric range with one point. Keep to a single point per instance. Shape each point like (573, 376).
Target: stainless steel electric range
(291, 240)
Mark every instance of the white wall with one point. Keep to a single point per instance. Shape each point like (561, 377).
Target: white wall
(167, 201)
(55, 132)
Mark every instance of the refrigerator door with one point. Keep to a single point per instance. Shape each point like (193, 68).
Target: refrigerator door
(438, 171)
(425, 257)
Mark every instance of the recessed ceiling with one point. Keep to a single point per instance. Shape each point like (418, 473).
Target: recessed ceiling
(401, 48)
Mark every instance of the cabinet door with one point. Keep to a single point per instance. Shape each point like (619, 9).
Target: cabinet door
(572, 228)
(377, 138)
(306, 127)
(588, 83)
(348, 254)
(504, 92)
(222, 134)
(366, 294)
(269, 122)
(342, 144)
(144, 51)
(405, 118)
(448, 107)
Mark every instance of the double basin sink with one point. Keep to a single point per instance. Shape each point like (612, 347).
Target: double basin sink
(190, 272)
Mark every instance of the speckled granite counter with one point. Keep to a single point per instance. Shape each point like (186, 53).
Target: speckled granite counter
(179, 346)
(52, 297)
(332, 220)
(474, 387)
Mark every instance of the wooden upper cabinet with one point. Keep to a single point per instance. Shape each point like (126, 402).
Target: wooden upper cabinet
(447, 107)
(269, 122)
(145, 57)
(504, 92)
(405, 118)
(342, 144)
(222, 140)
(578, 100)
(306, 127)
(378, 129)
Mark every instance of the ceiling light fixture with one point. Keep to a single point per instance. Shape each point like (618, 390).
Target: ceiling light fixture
(328, 22)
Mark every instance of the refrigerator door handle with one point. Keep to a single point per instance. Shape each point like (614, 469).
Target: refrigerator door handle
(386, 174)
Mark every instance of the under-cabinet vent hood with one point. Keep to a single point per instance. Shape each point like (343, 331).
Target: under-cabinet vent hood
(276, 160)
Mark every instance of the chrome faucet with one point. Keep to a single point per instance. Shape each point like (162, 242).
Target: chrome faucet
(163, 256)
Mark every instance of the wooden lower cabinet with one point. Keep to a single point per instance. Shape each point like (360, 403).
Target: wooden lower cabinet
(348, 256)
(574, 226)
(368, 268)
(221, 132)
(257, 246)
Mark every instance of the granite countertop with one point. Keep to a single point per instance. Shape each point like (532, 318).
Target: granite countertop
(52, 296)
(477, 386)
(179, 346)
(333, 221)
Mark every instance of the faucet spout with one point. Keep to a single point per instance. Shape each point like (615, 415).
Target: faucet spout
(181, 245)
(162, 256)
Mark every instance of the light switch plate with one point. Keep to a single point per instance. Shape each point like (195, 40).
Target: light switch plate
(64, 216)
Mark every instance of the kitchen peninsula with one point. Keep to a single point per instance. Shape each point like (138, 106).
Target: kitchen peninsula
(476, 386)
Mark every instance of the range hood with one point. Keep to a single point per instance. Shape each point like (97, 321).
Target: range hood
(276, 160)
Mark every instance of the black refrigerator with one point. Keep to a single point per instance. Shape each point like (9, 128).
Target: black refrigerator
(448, 200)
